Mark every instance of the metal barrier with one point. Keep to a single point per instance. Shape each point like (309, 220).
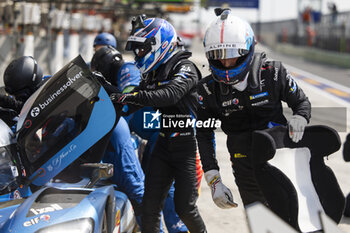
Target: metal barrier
(329, 34)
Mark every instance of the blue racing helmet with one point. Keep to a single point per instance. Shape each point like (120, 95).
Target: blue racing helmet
(152, 40)
(229, 37)
(128, 75)
(105, 39)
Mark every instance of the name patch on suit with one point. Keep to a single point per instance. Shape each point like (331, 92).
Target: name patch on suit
(260, 95)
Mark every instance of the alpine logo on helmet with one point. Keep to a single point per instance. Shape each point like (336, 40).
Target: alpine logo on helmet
(229, 37)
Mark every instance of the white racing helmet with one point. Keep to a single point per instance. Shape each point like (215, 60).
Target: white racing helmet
(229, 37)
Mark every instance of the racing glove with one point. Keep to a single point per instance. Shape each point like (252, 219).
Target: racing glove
(120, 98)
(296, 126)
(221, 195)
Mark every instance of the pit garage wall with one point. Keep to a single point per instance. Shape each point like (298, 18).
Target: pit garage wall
(6, 54)
(324, 42)
(51, 54)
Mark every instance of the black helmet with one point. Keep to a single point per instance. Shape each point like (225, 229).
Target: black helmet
(108, 61)
(22, 77)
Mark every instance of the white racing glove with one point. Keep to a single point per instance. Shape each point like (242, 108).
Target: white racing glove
(221, 195)
(296, 127)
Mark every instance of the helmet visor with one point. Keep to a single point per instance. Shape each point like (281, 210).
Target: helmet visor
(139, 45)
(225, 53)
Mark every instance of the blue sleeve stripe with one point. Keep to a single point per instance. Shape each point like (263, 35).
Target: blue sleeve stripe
(181, 74)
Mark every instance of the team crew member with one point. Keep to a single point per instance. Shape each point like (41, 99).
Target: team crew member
(128, 78)
(22, 77)
(245, 92)
(168, 84)
(128, 174)
(104, 39)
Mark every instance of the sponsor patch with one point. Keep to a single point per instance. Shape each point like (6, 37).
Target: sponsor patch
(36, 110)
(185, 69)
(293, 86)
(234, 101)
(260, 103)
(36, 220)
(275, 78)
(200, 99)
(260, 95)
(206, 88)
(50, 208)
(239, 155)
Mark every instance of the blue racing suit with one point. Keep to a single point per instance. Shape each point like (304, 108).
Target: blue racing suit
(128, 174)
